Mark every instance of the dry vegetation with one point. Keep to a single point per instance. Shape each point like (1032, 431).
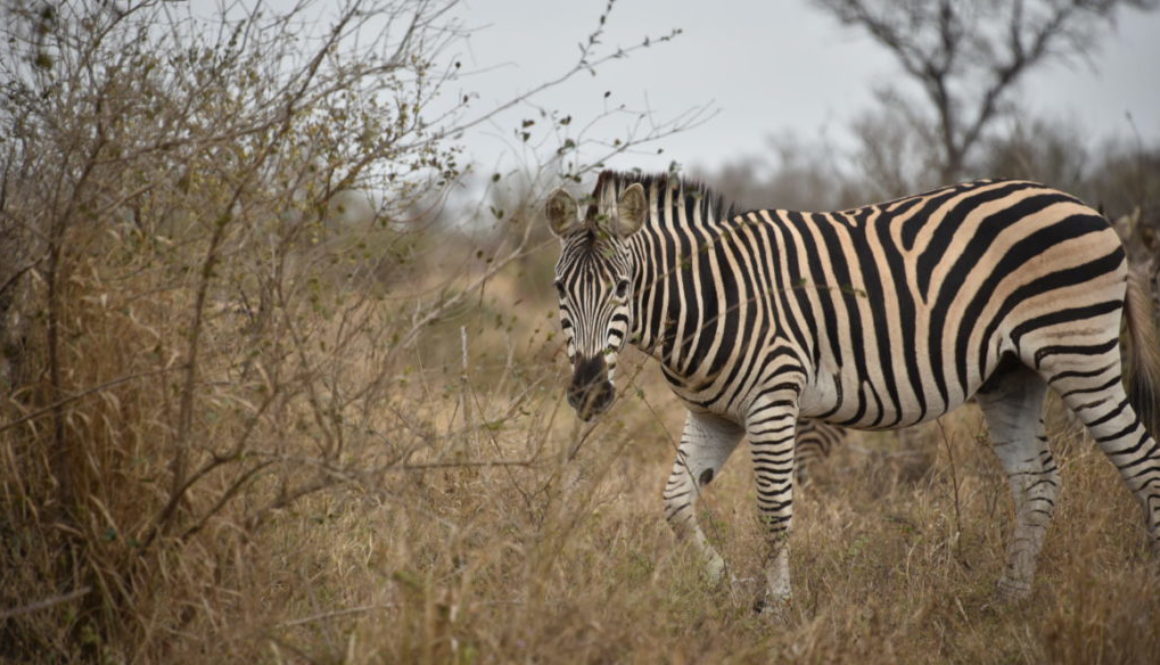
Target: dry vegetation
(234, 432)
(469, 518)
(554, 559)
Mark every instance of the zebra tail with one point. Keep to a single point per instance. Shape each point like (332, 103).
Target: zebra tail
(1144, 378)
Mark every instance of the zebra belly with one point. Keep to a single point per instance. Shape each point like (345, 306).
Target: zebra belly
(847, 398)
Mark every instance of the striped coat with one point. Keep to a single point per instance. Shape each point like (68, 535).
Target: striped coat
(876, 317)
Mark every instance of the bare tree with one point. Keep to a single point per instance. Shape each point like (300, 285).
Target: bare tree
(968, 57)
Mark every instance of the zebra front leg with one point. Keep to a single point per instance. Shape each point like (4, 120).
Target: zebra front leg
(706, 443)
(771, 430)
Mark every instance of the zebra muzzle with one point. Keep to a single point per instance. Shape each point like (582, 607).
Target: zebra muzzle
(590, 392)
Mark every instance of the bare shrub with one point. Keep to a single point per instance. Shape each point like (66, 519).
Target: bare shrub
(207, 222)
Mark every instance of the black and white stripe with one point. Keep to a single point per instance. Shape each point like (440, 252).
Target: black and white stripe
(876, 317)
(814, 441)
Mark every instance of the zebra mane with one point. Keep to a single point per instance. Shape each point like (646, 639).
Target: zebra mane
(611, 183)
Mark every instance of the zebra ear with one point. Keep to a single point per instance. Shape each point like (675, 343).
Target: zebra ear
(631, 210)
(561, 210)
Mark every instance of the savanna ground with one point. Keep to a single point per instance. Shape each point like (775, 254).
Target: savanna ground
(496, 528)
(568, 558)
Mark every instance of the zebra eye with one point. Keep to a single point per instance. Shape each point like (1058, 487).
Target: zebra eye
(560, 292)
(622, 289)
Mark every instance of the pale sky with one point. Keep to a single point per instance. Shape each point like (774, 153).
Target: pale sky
(772, 67)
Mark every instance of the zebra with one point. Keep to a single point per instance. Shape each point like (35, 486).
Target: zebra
(877, 317)
(814, 440)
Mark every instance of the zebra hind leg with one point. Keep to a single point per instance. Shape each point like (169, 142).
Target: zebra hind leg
(1087, 372)
(706, 443)
(1116, 427)
(1012, 403)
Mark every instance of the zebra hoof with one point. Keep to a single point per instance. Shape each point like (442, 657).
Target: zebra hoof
(753, 592)
(715, 571)
(1012, 591)
(773, 607)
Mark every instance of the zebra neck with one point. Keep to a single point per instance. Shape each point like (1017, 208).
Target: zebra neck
(641, 333)
(663, 283)
(678, 307)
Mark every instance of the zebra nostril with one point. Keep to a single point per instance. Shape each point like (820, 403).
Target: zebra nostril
(592, 402)
(590, 391)
(577, 398)
(587, 373)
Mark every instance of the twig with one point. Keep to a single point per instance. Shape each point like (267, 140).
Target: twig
(334, 614)
(347, 611)
(464, 391)
(582, 64)
(453, 465)
(16, 276)
(44, 604)
(72, 398)
(441, 308)
(955, 484)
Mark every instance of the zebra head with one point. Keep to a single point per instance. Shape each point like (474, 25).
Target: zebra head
(594, 282)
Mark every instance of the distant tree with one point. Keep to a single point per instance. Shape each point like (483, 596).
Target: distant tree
(894, 154)
(790, 173)
(968, 58)
(1121, 177)
(1038, 149)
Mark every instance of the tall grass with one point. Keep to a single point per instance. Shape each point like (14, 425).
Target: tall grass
(351, 499)
(470, 518)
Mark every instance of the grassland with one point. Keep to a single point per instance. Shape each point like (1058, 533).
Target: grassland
(569, 560)
(440, 504)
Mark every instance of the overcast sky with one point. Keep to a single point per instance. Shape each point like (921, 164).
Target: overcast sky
(771, 67)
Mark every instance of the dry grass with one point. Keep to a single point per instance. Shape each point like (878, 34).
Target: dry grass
(474, 520)
(571, 562)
